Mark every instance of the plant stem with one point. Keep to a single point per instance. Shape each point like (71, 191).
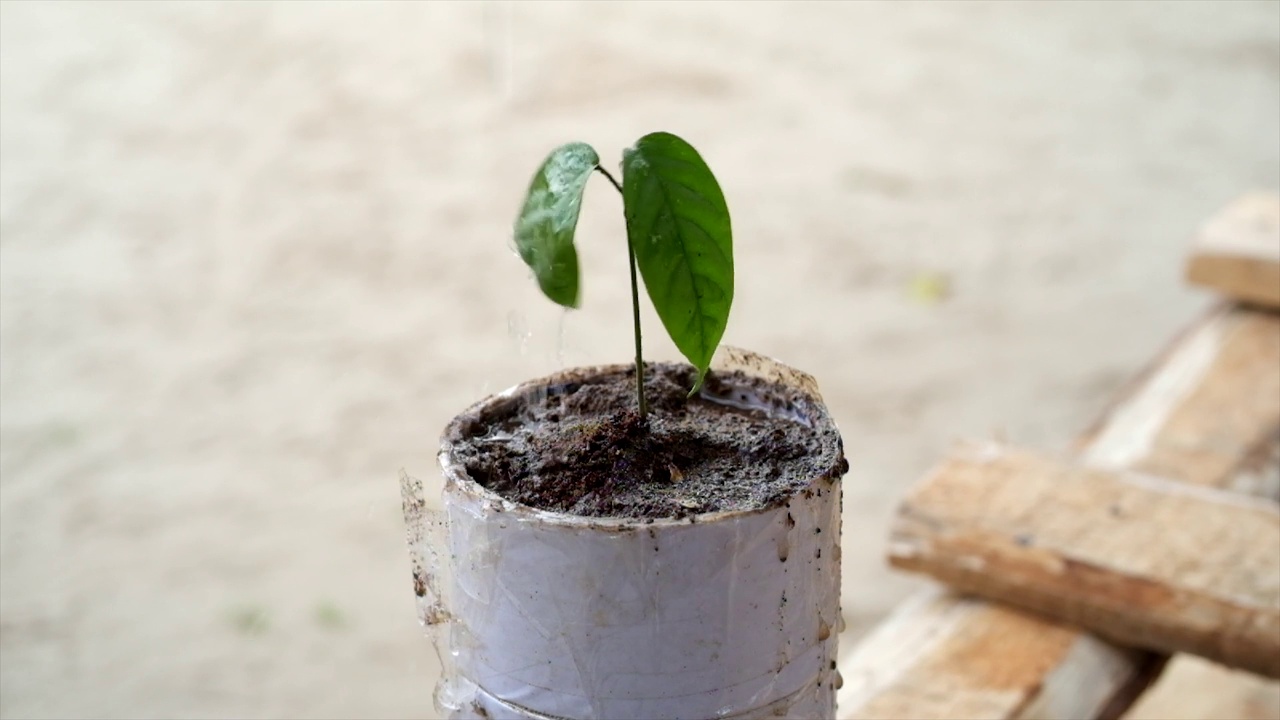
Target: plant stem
(635, 309)
(635, 319)
(605, 173)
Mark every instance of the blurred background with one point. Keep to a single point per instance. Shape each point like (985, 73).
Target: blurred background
(254, 256)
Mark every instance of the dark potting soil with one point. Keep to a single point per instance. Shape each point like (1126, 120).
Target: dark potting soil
(580, 447)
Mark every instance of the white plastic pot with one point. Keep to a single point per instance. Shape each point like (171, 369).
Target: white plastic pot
(547, 615)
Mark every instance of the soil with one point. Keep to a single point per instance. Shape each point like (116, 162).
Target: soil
(581, 447)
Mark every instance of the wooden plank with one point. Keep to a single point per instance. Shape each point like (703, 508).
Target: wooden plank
(1208, 408)
(1237, 252)
(1133, 558)
(1224, 366)
(946, 657)
(1192, 688)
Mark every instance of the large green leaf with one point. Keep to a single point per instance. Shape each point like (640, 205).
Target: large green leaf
(678, 227)
(544, 229)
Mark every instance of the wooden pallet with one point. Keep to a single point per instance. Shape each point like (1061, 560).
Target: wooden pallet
(1104, 545)
(1132, 558)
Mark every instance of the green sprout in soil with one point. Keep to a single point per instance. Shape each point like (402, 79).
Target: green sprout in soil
(678, 234)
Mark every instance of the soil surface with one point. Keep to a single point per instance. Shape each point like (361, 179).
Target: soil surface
(581, 447)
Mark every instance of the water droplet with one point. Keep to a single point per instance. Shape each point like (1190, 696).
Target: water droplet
(496, 436)
(518, 330)
(560, 339)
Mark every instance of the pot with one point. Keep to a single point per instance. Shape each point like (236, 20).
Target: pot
(541, 614)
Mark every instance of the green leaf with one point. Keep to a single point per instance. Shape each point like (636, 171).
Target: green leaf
(678, 227)
(544, 229)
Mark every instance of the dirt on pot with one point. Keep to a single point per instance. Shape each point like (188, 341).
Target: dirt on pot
(581, 447)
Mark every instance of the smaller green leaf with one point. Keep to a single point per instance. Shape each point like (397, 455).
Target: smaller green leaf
(546, 224)
(678, 227)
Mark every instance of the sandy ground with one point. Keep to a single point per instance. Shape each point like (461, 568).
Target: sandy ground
(254, 256)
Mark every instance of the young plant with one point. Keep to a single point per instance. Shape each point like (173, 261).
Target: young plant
(678, 233)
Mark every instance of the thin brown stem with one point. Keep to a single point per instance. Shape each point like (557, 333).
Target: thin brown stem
(605, 173)
(635, 309)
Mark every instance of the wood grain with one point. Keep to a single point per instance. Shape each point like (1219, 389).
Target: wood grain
(1132, 558)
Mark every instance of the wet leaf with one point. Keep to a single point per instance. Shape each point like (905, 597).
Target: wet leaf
(546, 224)
(678, 227)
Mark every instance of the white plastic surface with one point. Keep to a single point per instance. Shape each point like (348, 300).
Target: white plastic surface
(728, 615)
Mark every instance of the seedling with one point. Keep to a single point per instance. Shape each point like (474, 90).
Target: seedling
(678, 234)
